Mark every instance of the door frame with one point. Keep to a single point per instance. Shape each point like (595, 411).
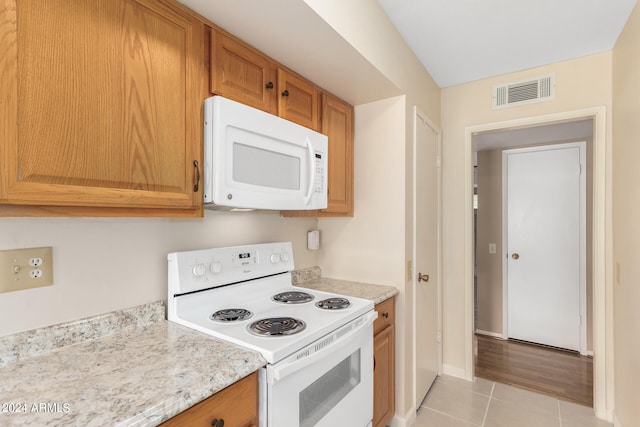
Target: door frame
(419, 115)
(582, 145)
(602, 257)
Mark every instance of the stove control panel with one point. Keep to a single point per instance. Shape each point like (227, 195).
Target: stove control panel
(207, 268)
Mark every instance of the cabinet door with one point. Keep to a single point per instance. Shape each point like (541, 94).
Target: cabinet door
(298, 100)
(102, 104)
(236, 405)
(337, 124)
(242, 73)
(383, 377)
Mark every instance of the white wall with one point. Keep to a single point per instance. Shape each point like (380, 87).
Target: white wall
(364, 25)
(368, 247)
(626, 215)
(105, 264)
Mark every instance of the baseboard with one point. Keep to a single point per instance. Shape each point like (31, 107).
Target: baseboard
(405, 421)
(488, 333)
(454, 371)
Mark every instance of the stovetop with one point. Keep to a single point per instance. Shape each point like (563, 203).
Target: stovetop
(195, 307)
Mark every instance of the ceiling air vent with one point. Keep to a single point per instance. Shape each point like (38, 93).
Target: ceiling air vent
(524, 92)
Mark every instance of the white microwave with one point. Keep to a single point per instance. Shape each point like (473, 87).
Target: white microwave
(255, 160)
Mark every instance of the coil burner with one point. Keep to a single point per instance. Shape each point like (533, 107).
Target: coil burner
(231, 315)
(276, 326)
(293, 297)
(333, 303)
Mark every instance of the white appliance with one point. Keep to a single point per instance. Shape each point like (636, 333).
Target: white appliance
(255, 160)
(318, 346)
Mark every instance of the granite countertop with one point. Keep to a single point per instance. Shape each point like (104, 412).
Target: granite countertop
(312, 278)
(127, 368)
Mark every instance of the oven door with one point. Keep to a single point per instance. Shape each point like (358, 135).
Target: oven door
(329, 383)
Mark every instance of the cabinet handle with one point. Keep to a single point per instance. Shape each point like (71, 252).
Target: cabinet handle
(195, 187)
(269, 85)
(285, 93)
(217, 422)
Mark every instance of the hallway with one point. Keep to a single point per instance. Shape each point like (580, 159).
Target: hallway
(563, 374)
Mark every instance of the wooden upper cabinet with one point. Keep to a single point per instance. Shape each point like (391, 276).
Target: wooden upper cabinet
(337, 124)
(242, 73)
(298, 100)
(102, 104)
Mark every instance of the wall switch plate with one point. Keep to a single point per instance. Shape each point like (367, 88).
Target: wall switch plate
(313, 240)
(492, 248)
(26, 268)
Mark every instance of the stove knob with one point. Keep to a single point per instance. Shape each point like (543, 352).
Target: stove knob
(284, 257)
(199, 270)
(216, 267)
(275, 258)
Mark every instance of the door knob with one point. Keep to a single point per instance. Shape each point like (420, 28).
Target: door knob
(515, 255)
(423, 277)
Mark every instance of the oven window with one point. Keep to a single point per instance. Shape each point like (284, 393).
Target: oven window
(327, 391)
(258, 166)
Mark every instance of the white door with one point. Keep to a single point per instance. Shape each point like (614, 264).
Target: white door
(426, 274)
(545, 190)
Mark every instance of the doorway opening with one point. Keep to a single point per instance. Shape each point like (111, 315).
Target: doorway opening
(560, 127)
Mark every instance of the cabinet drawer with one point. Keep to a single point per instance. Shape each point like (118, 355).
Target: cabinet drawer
(386, 315)
(237, 405)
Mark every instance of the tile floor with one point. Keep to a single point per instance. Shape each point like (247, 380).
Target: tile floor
(453, 402)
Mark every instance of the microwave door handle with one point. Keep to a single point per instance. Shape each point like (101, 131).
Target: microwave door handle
(312, 172)
(280, 372)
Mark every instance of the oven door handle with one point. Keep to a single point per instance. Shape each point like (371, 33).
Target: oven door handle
(280, 372)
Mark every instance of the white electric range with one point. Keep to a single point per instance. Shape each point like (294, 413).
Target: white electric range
(318, 345)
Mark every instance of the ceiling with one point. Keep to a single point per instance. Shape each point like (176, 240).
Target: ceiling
(459, 41)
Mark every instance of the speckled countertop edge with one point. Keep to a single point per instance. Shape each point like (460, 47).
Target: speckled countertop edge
(137, 376)
(312, 278)
(42, 340)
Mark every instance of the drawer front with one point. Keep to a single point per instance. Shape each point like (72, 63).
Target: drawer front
(386, 315)
(237, 405)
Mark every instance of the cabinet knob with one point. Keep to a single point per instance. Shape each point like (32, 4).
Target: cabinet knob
(217, 422)
(285, 93)
(269, 85)
(385, 315)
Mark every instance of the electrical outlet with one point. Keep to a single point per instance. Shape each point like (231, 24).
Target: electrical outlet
(26, 268)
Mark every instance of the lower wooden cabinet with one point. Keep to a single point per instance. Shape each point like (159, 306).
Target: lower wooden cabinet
(237, 405)
(384, 363)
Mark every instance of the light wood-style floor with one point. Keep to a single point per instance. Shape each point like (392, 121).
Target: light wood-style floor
(562, 374)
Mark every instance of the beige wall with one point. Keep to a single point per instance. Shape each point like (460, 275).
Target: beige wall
(105, 264)
(489, 230)
(581, 83)
(382, 224)
(626, 221)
